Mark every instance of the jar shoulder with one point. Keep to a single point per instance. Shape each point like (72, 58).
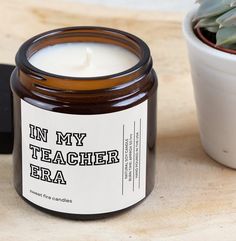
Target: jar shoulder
(90, 103)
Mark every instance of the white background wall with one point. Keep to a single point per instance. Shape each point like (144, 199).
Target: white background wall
(163, 5)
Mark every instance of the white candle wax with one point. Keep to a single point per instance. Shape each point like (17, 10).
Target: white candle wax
(83, 59)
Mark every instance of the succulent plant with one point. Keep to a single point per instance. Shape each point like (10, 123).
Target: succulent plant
(218, 17)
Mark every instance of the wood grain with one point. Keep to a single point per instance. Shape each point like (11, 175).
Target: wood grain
(194, 199)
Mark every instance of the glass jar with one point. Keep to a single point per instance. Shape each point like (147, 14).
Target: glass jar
(113, 168)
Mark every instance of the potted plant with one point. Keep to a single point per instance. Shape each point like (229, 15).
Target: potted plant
(210, 32)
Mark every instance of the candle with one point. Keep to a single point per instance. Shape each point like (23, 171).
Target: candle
(83, 59)
(84, 148)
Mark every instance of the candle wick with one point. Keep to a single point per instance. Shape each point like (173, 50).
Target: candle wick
(87, 60)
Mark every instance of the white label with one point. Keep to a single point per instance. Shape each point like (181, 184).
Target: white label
(84, 164)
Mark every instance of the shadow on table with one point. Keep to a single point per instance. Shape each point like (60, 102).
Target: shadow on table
(184, 149)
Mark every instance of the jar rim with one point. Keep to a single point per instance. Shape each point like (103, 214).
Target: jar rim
(29, 48)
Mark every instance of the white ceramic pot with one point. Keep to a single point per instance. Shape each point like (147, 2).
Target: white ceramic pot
(214, 81)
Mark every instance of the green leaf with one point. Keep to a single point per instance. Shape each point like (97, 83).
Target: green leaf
(226, 36)
(227, 19)
(212, 8)
(212, 29)
(207, 22)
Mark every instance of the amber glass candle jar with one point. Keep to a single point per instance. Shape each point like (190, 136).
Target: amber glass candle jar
(84, 147)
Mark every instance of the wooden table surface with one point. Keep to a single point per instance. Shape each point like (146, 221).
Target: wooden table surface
(194, 199)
